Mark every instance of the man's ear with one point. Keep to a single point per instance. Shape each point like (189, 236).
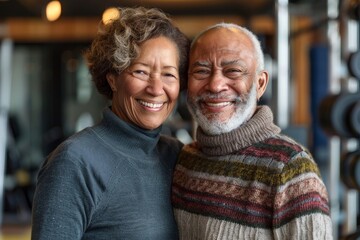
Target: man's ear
(111, 79)
(261, 83)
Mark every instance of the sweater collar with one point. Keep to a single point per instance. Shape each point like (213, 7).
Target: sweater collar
(258, 128)
(128, 135)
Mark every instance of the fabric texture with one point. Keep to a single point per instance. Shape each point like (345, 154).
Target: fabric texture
(250, 183)
(109, 181)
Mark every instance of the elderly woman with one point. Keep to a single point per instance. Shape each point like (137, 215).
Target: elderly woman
(113, 180)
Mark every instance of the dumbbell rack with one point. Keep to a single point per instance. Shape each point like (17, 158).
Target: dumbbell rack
(340, 116)
(350, 159)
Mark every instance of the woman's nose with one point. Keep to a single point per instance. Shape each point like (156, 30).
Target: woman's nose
(156, 86)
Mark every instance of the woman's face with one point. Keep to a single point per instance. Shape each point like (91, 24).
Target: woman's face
(145, 93)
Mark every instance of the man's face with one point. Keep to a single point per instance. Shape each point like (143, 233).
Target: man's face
(222, 88)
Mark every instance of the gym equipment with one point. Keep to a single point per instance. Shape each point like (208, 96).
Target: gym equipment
(354, 64)
(350, 170)
(340, 115)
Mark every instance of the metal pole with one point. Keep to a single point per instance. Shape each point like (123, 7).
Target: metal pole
(5, 86)
(351, 44)
(282, 88)
(333, 36)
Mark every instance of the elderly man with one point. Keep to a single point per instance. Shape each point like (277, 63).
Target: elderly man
(241, 178)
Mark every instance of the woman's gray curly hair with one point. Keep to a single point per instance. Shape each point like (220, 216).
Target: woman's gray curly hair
(116, 46)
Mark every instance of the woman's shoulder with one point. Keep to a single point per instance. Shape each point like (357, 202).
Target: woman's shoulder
(77, 149)
(171, 142)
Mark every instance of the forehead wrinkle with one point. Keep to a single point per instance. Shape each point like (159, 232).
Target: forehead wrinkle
(140, 63)
(170, 67)
(149, 66)
(202, 64)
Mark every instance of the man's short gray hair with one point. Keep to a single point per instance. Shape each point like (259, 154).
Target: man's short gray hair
(259, 54)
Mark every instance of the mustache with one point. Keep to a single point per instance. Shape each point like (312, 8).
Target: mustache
(210, 96)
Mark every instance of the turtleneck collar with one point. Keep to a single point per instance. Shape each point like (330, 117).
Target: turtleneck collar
(120, 133)
(258, 128)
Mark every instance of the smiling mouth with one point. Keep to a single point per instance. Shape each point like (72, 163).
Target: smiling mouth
(218, 104)
(151, 105)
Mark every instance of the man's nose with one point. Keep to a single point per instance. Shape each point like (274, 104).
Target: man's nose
(217, 82)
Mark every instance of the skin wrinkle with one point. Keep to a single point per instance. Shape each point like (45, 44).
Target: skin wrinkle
(245, 177)
(218, 69)
(159, 58)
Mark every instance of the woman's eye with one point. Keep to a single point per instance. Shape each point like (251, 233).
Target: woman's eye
(169, 78)
(141, 74)
(170, 75)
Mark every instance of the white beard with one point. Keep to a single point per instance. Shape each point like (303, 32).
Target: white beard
(215, 126)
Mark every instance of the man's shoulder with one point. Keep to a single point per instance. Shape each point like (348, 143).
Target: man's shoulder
(283, 142)
(279, 147)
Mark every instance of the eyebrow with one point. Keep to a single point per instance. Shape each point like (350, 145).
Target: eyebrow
(223, 63)
(230, 62)
(202, 64)
(171, 67)
(147, 65)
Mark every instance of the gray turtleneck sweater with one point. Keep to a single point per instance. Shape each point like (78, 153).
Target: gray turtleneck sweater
(110, 181)
(250, 183)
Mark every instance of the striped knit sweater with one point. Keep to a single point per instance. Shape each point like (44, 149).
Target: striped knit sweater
(251, 183)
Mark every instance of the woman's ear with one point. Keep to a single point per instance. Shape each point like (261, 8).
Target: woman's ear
(261, 83)
(111, 79)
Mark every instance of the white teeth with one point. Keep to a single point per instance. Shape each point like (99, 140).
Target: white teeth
(151, 105)
(220, 104)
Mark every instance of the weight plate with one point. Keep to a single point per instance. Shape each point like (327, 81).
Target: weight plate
(325, 114)
(355, 118)
(355, 170)
(345, 170)
(341, 114)
(354, 64)
(337, 117)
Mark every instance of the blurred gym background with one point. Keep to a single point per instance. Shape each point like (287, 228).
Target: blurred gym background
(312, 53)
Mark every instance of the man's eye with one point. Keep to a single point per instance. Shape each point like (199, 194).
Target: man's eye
(233, 70)
(233, 73)
(201, 73)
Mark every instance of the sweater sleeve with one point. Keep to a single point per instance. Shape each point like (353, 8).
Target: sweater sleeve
(301, 207)
(63, 200)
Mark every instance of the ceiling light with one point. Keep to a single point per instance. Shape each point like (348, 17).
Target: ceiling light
(53, 10)
(110, 15)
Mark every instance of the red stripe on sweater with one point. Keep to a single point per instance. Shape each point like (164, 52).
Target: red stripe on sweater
(221, 213)
(221, 207)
